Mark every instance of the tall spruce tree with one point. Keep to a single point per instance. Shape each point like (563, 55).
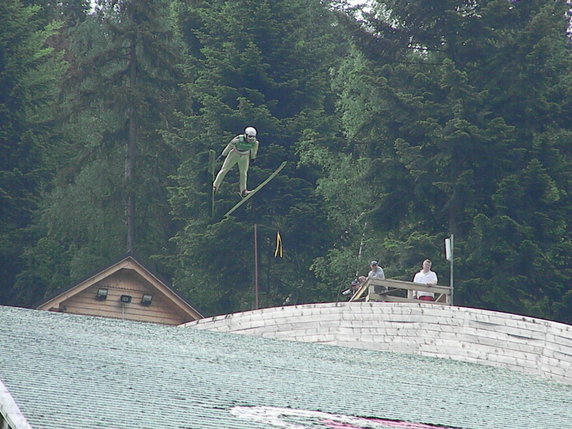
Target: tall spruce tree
(109, 196)
(455, 103)
(535, 75)
(29, 71)
(252, 63)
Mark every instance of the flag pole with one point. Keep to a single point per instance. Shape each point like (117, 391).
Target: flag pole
(255, 268)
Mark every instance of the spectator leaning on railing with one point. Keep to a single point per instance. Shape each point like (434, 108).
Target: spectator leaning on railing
(428, 277)
(376, 273)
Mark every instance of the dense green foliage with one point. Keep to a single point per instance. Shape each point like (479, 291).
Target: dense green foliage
(401, 124)
(29, 84)
(459, 116)
(258, 71)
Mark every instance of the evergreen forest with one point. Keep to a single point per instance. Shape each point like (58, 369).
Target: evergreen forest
(402, 123)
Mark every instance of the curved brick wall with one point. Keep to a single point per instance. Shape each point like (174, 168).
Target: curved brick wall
(526, 344)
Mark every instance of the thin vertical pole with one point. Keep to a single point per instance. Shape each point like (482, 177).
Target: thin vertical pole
(361, 247)
(452, 259)
(212, 165)
(255, 268)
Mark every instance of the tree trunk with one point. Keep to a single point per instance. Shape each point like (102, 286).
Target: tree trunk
(131, 150)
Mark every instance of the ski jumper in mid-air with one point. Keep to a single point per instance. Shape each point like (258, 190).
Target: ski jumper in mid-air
(240, 150)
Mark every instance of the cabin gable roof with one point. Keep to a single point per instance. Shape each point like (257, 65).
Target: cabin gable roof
(126, 289)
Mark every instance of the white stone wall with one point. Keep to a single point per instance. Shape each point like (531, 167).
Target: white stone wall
(519, 343)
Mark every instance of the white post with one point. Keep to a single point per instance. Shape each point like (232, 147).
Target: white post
(449, 254)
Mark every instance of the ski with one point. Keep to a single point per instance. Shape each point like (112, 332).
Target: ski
(255, 190)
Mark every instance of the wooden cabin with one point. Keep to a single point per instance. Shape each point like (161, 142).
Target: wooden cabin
(389, 290)
(124, 290)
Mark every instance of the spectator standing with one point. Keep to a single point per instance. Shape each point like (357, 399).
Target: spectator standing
(428, 277)
(376, 273)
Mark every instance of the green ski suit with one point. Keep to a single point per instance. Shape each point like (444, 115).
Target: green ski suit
(240, 150)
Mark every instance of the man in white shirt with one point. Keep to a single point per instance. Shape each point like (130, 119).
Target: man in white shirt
(428, 277)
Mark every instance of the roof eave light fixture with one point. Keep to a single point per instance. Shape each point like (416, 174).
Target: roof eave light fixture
(146, 300)
(101, 294)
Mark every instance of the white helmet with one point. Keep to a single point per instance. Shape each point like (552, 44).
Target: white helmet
(250, 132)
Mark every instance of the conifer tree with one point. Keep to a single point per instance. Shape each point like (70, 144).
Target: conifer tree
(109, 196)
(29, 71)
(456, 101)
(252, 63)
